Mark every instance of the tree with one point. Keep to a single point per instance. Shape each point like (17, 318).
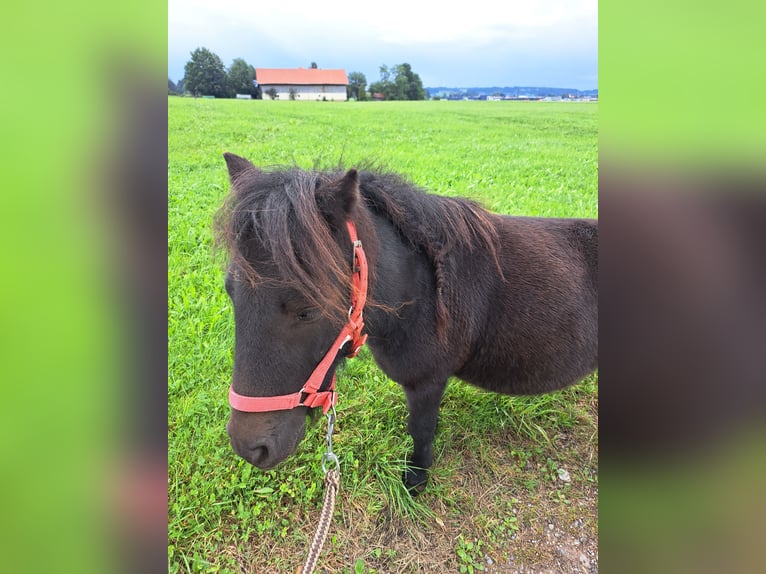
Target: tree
(313, 65)
(357, 83)
(272, 93)
(399, 83)
(384, 86)
(205, 74)
(414, 86)
(400, 88)
(240, 77)
(385, 74)
(172, 88)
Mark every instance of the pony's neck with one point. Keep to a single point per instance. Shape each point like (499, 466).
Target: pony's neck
(400, 278)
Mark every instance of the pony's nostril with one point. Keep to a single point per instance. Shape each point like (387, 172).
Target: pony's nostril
(259, 455)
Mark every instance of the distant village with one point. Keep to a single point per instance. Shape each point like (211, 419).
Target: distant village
(497, 98)
(513, 93)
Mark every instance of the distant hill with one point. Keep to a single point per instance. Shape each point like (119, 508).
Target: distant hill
(509, 92)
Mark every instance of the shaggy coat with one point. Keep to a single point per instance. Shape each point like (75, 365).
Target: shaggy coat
(508, 304)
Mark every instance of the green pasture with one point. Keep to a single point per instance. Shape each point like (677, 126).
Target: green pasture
(496, 477)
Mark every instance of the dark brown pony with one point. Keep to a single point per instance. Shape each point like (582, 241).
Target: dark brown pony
(505, 303)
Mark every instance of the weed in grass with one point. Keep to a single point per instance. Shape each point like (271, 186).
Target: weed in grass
(470, 555)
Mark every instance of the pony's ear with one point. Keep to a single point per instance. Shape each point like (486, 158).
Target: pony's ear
(236, 165)
(336, 199)
(348, 190)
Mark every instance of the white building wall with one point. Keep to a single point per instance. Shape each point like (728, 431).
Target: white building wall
(307, 93)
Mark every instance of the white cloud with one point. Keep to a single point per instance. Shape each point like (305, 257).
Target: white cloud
(408, 22)
(341, 31)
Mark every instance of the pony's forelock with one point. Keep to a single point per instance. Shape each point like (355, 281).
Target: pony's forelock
(275, 214)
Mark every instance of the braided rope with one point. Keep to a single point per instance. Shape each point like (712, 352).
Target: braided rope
(331, 484)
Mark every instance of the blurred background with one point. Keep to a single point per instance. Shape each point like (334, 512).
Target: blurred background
(83, 306)
(682, 399)
(82, 314)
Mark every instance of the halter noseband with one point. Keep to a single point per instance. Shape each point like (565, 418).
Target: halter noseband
(311, 395)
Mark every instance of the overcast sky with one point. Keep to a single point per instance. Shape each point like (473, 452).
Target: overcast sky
(551, 43)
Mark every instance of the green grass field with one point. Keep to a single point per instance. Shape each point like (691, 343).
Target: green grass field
(496, 500)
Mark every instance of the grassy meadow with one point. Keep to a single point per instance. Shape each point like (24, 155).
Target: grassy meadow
(515, 479)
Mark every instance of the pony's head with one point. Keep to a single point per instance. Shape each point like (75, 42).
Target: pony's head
(290, 265)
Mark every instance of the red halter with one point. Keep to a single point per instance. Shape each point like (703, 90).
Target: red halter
(310, 395)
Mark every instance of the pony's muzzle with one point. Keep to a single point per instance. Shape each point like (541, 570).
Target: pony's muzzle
(266, 439)
(258, 452)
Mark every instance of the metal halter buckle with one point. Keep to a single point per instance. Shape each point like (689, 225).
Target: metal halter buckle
(329, 455)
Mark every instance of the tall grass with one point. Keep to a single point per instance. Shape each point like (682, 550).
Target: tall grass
(224, 515)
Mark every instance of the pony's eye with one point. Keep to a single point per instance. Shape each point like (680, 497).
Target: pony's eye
(307, 315)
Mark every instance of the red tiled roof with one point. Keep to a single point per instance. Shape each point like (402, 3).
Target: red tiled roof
(301, 76)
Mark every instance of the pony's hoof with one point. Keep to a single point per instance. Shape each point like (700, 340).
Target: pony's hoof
(415, 480)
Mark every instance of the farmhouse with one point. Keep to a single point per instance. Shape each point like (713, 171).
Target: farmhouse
(304, 84)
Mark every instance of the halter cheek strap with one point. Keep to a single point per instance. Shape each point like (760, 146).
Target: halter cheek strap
(310, 394)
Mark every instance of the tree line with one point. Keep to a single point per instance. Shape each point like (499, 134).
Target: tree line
(206, 75)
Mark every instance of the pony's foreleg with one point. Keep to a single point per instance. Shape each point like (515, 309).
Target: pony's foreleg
(423, 400)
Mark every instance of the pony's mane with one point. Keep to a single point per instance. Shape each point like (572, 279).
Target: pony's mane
(435, 224)
(277, 210)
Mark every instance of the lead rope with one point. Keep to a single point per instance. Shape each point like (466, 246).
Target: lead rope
(331, 486)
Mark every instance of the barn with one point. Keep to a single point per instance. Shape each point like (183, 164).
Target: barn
(306, 84)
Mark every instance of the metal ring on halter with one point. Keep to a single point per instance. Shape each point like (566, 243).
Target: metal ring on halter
(344, 341)
(330, 456)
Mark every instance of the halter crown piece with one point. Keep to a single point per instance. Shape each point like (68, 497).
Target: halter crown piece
(311, 394)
